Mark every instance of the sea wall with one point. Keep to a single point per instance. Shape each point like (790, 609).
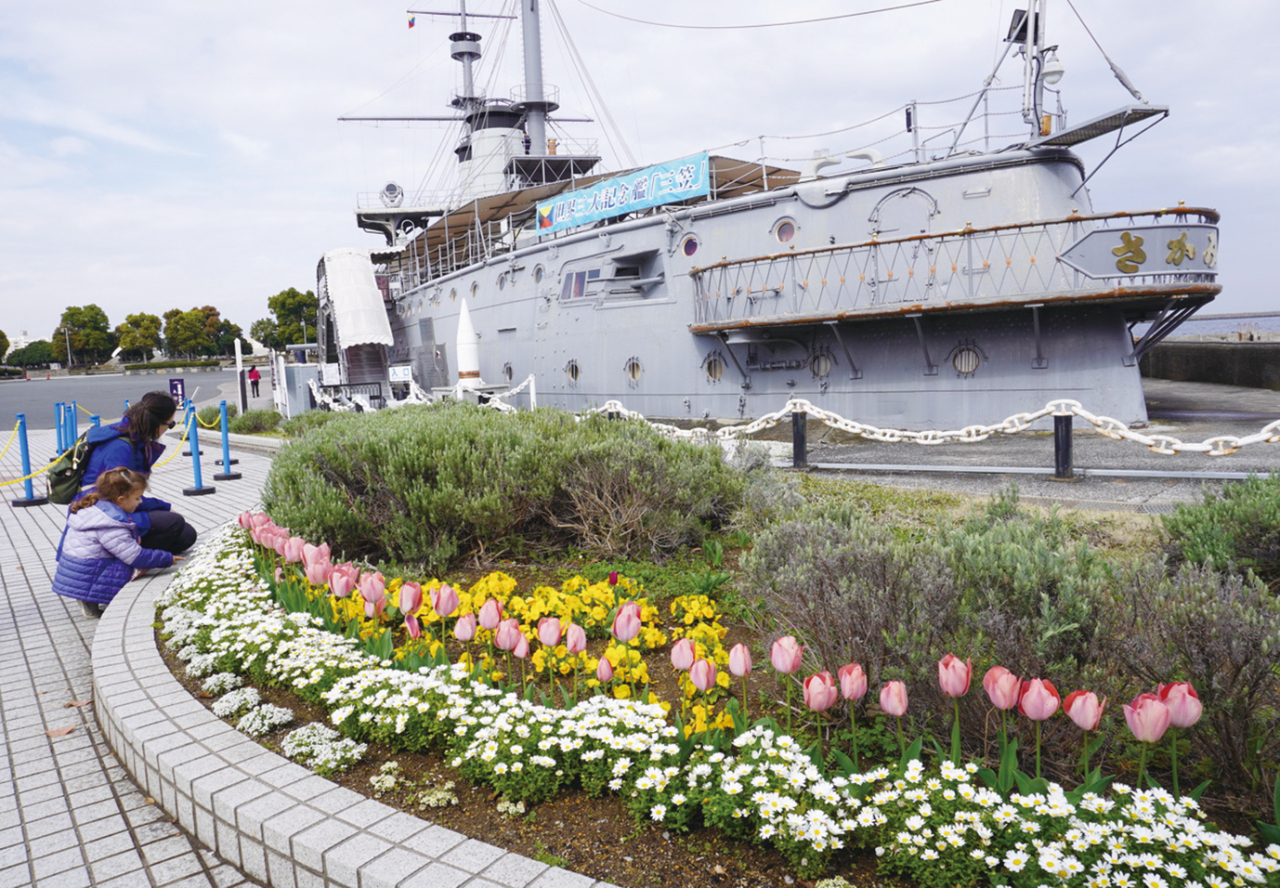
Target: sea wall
(1248, 364)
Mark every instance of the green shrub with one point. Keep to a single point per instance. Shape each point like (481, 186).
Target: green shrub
(211, 417)
(851, 591)
(1237, 526)
(1220, 632)
(307, 422)
(255, 421)
(166, 365)
(1029, 588)
(426, 486)
(628, 491)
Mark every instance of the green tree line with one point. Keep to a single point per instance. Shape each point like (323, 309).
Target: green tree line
(84, 334)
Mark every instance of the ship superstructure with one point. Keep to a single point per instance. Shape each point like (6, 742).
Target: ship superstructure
(938, 293)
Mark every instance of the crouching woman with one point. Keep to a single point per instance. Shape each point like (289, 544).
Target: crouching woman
(99, 550)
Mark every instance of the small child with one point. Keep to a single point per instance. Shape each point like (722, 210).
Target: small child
(99, 548)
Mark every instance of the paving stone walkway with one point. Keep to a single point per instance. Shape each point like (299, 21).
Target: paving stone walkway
(70, 815)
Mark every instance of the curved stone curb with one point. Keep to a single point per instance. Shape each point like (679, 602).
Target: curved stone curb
(275, 820)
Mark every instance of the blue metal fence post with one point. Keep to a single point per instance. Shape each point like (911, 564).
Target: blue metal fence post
(73, 423)
(226, 461)
(191, 440)
(95, 421)
(199, 489)
(57, 428)
(30, 499)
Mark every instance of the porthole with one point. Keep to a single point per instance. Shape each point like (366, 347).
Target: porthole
(572, 372)
(784, 231)
(537, 274)
(453, 294)
(690, 245)
(502, 281)
(966, 358)
(633, 370)
(475, 288)
(714, 366)
(820, 365)
(508, 373)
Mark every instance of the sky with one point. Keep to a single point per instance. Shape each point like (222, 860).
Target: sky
(170, 155)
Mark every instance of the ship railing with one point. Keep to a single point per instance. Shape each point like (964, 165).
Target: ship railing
(1000, 263)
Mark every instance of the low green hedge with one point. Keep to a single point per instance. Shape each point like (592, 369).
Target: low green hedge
(430, 486)
(167, 365)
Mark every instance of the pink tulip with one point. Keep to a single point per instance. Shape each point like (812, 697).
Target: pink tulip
(279, 575)
(413, 627)
(683, 653)
(260, 519)
(507, 634)
(1039, 699)
(575, 639)
(312, 554)
(820, 692)
(373, 589)
(1002, 687)
(521, 650)
(893, 698)
(785, 655)
(626, 625)
(318, 572)
(613, 578)
(1147, 717)
(549, 631)
(740, 661)
(1084, 709)
(703, 675)
(491, 614)
(342, 579)
(853, 681)
(279, 542)
(410, 599)
(954, 675)
(245, 520)
(465, 628)
(1183, 702)
(293, 547)
(444, 600)
(604, 670)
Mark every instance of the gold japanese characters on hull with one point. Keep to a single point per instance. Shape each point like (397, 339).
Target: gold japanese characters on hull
(1130, 254)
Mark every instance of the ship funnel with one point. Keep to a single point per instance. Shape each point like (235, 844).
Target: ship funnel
(468, 346)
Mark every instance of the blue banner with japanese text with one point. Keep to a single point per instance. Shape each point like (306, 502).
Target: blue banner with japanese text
(650, 187)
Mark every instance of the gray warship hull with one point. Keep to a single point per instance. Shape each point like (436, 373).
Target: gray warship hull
(936, 294)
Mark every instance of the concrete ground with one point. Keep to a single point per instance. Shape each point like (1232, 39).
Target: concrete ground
(1111, 475)
(70, 815)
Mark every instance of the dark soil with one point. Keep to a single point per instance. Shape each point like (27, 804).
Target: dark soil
(596, 837)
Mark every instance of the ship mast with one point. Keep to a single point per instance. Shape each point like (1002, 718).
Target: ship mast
(535, 104)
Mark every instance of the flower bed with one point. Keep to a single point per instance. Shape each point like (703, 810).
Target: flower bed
(934, 823)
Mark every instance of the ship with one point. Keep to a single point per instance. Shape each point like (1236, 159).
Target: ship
(957, 287)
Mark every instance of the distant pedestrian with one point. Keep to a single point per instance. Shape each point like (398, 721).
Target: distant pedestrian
(100, 549)
(254, 376)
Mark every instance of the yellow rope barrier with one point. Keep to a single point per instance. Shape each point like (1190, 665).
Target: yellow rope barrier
(213, 425)
(185, 428)
(26, 477)
(9, 443)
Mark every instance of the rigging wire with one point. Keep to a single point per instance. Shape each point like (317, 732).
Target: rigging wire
(1115, 69)
(829, 18)
(589, 83)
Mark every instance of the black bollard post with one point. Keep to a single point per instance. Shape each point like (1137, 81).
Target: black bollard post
(1062, 468)
(799, 444)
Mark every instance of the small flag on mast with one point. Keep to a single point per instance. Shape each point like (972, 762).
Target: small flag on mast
(412, 18)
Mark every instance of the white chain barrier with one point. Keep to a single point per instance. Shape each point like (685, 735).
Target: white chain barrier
(1219, 445)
